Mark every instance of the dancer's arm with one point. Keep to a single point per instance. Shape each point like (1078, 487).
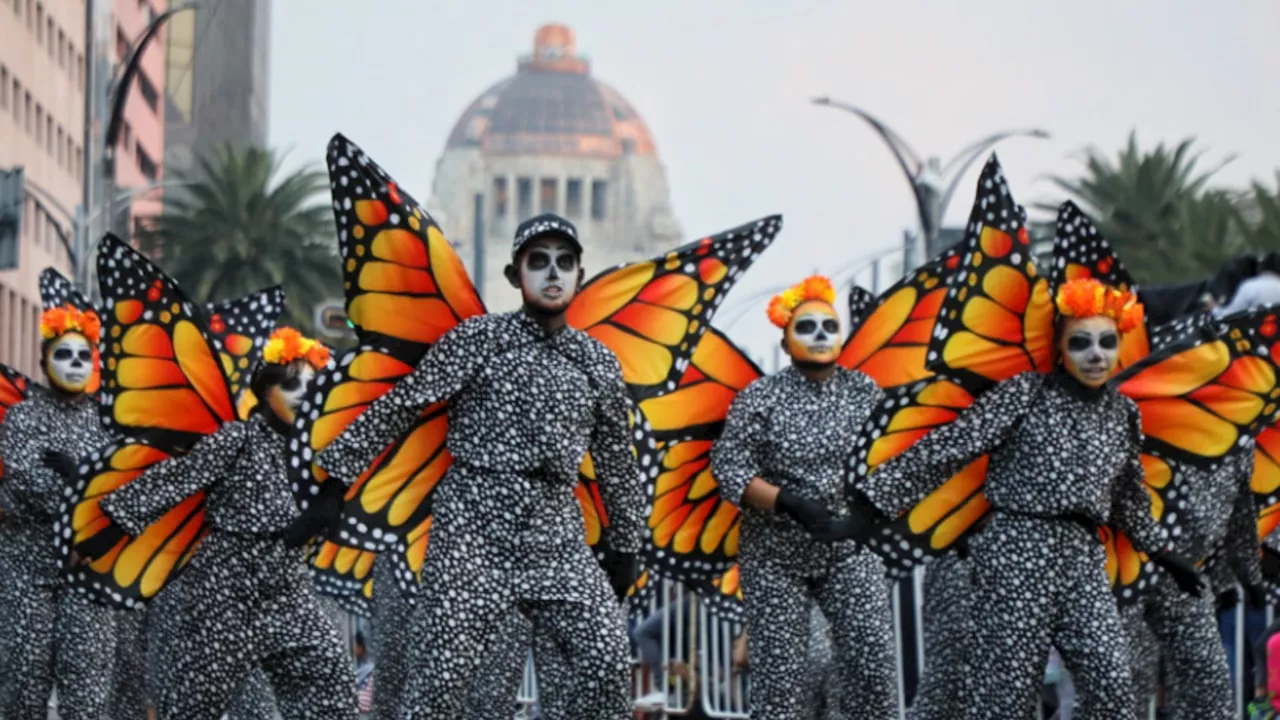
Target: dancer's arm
(617, 473)
(735, 463)
(1243, 550)
(163, 485)
(903, 481)
(34, 488)
(444, 370)
(1130, 502)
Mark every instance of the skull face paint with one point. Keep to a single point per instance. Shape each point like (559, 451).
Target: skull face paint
(1090, 349)
(549, 274)
(69, 363)
(284, 397)
(813, 335)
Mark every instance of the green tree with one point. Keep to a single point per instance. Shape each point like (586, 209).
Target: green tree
(1259, 217)
(1154, 207)
(238, 226)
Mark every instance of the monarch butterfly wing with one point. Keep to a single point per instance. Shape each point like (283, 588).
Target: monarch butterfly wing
(889, 341)
(945, 515)
(651, 314)
(693, 532)
(344, 573)
(242, 327)
(722, 594)
(1130, 571)
(641, 593)
(1080, 251)
(405, 286)
(861, 302)
(1203, 395)
(14, 388)
(997, 318)
(1177, 330)
(138, 567)
(410, 555)
(163, 378)
(1265, 480)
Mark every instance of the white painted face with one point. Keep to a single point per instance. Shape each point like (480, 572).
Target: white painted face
(69, 363)
(284, 399)
(813, 336)
(1090, 349)
(549, 273)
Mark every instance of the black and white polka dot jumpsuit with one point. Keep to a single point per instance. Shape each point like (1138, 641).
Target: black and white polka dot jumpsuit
(245, 600)
(52, 631)
(948, 632)
(797, 433)
(1216, 512)
(524, 407)
(1062, 459)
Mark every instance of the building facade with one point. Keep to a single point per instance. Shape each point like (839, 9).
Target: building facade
(140, 149)
(551, 138)
(42, 109)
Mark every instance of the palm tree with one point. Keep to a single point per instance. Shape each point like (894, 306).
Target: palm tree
(1260, 217)
(237, 227)
(1155, 209)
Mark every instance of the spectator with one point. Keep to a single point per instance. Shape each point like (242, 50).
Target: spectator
(364, 675)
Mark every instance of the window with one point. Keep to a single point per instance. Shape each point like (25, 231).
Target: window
(127, 134)
(70, 153)
(17, 7)
(37, 227)
(17, 106)
(148, 92)
(524, 197)
(61, 145)
(573, 197)
(39, 122)
(62, 49)
(499, 200)
(39, 22)
(79, 162)
(4, 87)
(29, 16)
(122, 44)
(48, 134)
(146, 165)
(48, 34)
(547, 195)
(28, 103)
(80, 70)
(598, 190)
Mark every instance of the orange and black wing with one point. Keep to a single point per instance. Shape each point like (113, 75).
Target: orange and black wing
(997, 318)
(861, 301)
(1080, 251)
(652, 314)
(693, 532)
(242, 326)
(945, 515)
(1131, 572)
(1265, 481)
(411, 555)
(889, 342)
(344, 573)
(163, 376)
(14, 388)
(138, 567)
(722, 594)
(1201, 396)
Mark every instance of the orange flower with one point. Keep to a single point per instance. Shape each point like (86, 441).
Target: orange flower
(1088, 297)
(61, 320)
(287, 345)
(814, 287)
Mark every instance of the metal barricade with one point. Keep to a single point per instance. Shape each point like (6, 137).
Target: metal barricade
(528, 695)
(723, 691)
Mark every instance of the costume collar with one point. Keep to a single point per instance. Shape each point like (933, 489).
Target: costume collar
(1067, 381)
(273, 421)
(530, 325)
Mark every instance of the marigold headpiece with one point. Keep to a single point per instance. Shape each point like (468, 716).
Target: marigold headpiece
(68, 318)
(287, 345)
(814, 287)
(1088, 297)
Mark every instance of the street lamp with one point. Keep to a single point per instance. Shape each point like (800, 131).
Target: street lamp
(932, 182)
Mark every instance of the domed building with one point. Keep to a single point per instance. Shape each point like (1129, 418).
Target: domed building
(551, 138)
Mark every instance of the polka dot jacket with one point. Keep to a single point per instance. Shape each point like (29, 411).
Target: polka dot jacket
(1055, 451)
(520, 401)
(1218, 517)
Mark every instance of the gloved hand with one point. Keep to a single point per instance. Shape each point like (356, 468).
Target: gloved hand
(101, 543)
(1228, 599)
(811, 514)
(622, 569)
(59, 462)
(320, 518)
(1256, 594)
(857, 525)
(1182, 570)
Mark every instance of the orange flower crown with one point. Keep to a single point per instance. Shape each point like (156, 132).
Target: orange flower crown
(287, 345)
(68, 318)
(1088, 297)
(814, 287)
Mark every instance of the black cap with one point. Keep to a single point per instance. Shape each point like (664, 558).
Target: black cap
(545, 225)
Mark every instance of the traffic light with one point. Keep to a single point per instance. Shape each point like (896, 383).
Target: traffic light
(10, 216)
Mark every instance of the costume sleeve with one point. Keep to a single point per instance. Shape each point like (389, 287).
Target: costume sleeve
(33, 489)
(617, 472)
(1243, 551)
(735, 456)
(1130, 503)
(165, 484)
(445, 369)
(905, 480)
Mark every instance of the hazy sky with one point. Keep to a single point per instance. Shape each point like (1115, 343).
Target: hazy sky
(726, 86)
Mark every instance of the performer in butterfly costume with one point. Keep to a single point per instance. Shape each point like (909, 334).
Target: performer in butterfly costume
(55, 631)
(784, 469)
(245, 599)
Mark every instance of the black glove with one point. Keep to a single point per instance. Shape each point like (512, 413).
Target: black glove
(622, 569)
(59, 462)
(811, 514)
(101, 543)
(1182, 570)
(1228, 599)
(320, 518)
(857, 525)
(1256, 594)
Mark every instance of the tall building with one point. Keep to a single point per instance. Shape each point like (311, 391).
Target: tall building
(216, 81)
(42, 108)
(140, 148)
(551, 138)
